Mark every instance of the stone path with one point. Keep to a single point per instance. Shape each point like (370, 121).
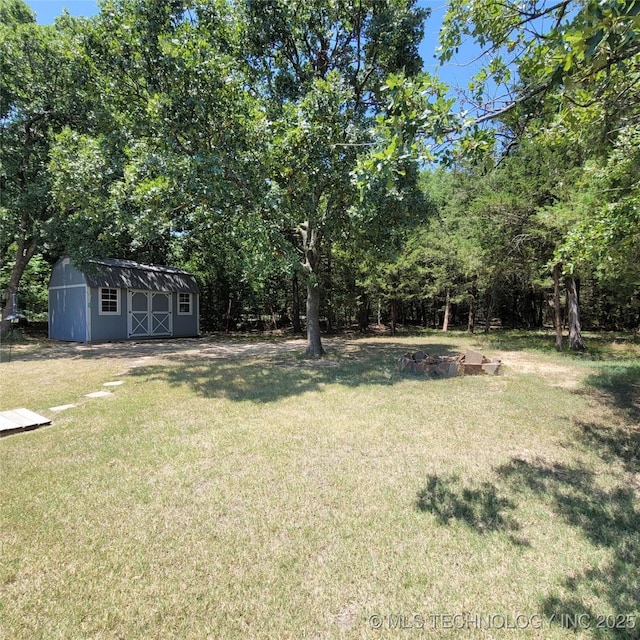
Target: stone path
(148, 352)
(19, 420)
(93, 394)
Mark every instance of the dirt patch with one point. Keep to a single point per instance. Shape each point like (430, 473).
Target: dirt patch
(556, 374)
(141, 353)
(145, 352)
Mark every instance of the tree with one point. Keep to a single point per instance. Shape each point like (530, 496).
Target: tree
(567, 70)
(40, 94)
(266, 107)
(322, 67)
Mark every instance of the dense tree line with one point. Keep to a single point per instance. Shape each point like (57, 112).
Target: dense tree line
(287, 154)
(552, 122)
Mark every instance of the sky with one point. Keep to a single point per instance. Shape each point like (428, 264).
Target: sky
(47, 10)
(454, 73)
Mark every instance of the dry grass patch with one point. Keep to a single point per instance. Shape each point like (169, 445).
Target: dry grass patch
(255, 494)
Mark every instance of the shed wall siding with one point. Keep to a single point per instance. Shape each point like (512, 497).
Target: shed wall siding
(186, 326)
(68, 314)
(64, 274)
(111, 327)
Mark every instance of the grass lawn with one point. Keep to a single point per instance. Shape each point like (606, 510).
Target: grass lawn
(233, 489)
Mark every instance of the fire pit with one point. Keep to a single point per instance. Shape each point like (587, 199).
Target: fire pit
(434, 366)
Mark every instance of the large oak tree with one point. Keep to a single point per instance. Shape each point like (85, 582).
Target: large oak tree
(263, 108)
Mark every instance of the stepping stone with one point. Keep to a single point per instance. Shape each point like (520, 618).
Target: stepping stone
(113, 384)
(20, 420)
(98, 394)
(63, 407)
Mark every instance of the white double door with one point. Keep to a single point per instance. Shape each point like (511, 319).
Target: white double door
(149, 313)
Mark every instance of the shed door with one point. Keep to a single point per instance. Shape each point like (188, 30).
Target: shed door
(149, 314)
(161, 314)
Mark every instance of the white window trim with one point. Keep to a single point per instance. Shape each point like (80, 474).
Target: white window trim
(108, 313)
(185, 313)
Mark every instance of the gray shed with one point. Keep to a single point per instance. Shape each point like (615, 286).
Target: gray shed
(112, 299)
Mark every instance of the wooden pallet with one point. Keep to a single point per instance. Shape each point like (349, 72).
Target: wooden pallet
(20, 420)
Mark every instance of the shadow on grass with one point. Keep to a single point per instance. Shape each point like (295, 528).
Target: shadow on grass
(620, 444)
(210, 346)
(609, 518)
(600, 598)
(619, 386)
(481, 508)
(264, 376)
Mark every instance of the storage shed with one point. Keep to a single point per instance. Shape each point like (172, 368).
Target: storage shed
(110, 299)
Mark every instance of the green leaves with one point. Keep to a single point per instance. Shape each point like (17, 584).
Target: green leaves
(418, 118)
(606, 237)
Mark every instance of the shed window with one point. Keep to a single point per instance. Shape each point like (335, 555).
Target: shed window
(109, 302)
(184, 304)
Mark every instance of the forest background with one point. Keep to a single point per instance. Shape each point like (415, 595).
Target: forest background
(304, 165)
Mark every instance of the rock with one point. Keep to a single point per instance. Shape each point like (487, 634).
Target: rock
(472, 369)
(473, 357)
(447, 369)
(491, 368)
(428, 368)
(405, 364)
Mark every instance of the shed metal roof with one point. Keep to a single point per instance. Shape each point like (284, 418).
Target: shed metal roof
(126, 274)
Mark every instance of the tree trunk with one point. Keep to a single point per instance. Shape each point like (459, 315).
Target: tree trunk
(557, 269)
(576, 343)
(541, 303)
(314, 343)
(363, 314)
(311, 247)
(228, 316)
(489, 312)
(394, 317)
(24, 253)
(447, 311)
(471, 320)
(295, 306)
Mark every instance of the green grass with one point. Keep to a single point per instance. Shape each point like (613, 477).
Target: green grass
(261, 495)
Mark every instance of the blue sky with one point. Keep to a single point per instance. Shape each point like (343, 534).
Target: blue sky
(47, 10)
(454, 73)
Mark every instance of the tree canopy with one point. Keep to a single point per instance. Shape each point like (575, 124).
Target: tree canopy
(273, 146)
